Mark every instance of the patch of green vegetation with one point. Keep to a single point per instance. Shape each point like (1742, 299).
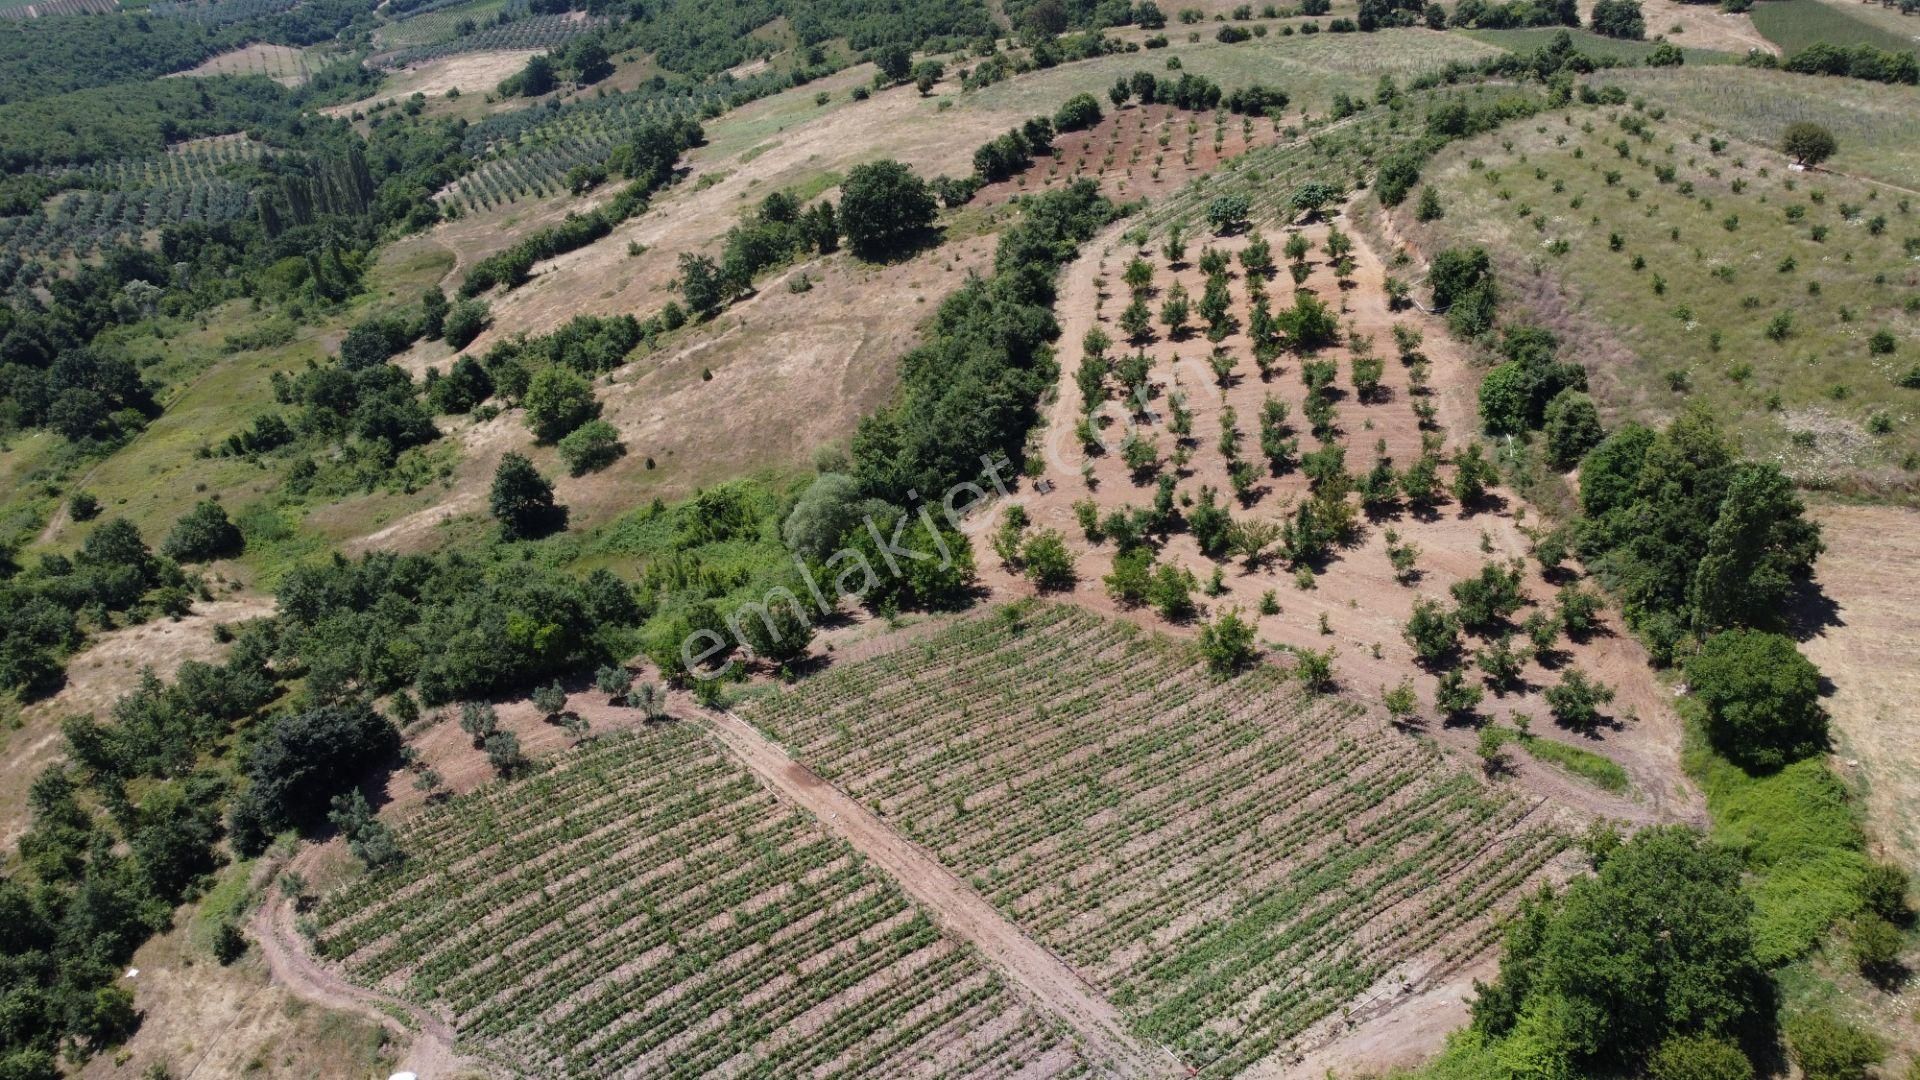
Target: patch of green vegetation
(1596, 769)
(1779, 299)
(1878, 125)
(1310, 68)
(1796, 24)
(1800, 835)
(1598, 46)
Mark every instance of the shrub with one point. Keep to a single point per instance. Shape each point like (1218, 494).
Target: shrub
(591, 447)
(1828, 1048)
(1699, 1057)
(1762, 698)
(1049, 565)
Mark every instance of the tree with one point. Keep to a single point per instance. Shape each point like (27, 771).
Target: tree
(537, 77)
(1618, 19)
(550, 699)
(1049, 565)
(1761, 696)
(1759, 544)
(591, 447)
(371, 840)
(522, 500)
(1229, 213)
(465, 320)
(1807, 143)
(1314, 196)
(1226, 642)
(202, 533)
(479, 720)
(301, 761)
(1428, 208)
(1077, 113)
(589, 61)
(1575, 702)
(613, 680)
(702, 285)
(1455, 697)
(883, 207)
(1658, 943)
(894, 61)
(503, 753)
(558, 400)
(1433, 631)
(777, 630)
(1572, 428)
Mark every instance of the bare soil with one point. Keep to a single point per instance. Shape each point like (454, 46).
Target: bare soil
(1364, 607)
(1864, 634)
(1124, 154)
(1704, 26)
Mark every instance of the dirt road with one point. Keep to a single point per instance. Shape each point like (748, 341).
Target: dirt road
(431, 1052)
(954, 904)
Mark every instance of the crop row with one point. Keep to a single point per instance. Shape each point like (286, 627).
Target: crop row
(89, 220)
(645, 907)
(1231, 860)
(532, 32)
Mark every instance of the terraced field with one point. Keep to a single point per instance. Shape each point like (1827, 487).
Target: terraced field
(1231, 862)
(646, 906)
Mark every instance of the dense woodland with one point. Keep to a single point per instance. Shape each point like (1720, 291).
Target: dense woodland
(1655, 964)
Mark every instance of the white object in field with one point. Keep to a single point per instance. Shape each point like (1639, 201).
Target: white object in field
(131, 972)
(403, 1076)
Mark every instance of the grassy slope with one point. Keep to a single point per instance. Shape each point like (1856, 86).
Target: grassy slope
(1592, 44)
(1796, 24)
(1716, 280)
(1878, 126)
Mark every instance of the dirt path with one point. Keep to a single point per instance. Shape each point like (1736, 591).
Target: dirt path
(430, 1053)
(954, 904)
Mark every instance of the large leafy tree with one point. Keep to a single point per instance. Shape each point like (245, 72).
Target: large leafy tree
(522, 499)
(1658, 943)
(883, 206)
(1762, 698)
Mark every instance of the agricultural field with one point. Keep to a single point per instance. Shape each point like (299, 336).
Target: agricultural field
(526, 32)
(1595, 45)
(1877, 126)
(1232, 862)
(35, 9)
(286, 66)
(1795, 25)
(1311, 68)
(1786, 300)
(666, 914)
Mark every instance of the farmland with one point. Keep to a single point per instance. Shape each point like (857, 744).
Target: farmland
(1795, 25)
(1232, 862)
(1785, 300)
(1878, 126)
(666, 914)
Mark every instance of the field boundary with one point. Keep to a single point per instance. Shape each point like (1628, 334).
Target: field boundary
(954, 904)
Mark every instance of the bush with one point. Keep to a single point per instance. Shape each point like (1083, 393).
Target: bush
(465, 320)
(1828, 1048)
(1227, 643)
(1576, 700)
(1699, 1057)
(1077, 113)
(202, 533)
(591, 447)
(1762, 698)
(1618, 19)
(1049, 565)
